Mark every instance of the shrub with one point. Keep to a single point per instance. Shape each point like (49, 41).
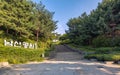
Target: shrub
(116, 48)
(1, 42)
(104, 57)
(90, 56)
(103, 50)
(19, 55)
(116, 41)
(48, 51)
(103, 41)
(107, 50)
(116, 57)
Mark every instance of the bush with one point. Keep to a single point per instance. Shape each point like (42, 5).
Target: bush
(90, 56)
(116, 48)
(48, 51)
(1, 42)
(107, 50)
(103, 41)
(19, 55)
(104, 57)
(103, 50)
(116, 41)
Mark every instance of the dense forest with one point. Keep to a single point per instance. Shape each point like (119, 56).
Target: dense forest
(100, 28)
(23, 20)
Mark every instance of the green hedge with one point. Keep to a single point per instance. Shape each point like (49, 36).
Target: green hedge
(19, 55)
(100, 53)
(103, 41)
(105, 54)
(107, 50)
(104, 57)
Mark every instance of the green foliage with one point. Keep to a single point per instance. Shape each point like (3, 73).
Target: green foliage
(19, 55)
(104, 50)
(104, 53)
(97, 26)
(48, 51)
(23, 19)
(104, 57)
(101, 53)
(64, 39)
(103, 41)
(1, 42)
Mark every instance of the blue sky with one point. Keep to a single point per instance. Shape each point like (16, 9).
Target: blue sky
(66, 9)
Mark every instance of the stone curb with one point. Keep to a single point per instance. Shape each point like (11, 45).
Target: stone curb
(75, 50)
(4, 64)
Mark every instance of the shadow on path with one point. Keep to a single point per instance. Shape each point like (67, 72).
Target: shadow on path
(64, 68)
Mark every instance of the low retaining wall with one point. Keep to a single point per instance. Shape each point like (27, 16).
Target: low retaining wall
(4, 64)
(75, 50)
(79, 51)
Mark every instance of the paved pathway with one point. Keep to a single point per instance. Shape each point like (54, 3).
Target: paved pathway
(65, 54)
(65, 62)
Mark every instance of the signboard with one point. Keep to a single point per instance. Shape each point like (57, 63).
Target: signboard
(20, 44)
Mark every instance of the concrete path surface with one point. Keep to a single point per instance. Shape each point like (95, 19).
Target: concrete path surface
(65, 62)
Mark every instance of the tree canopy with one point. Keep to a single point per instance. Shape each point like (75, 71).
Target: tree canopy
(23, 19)
(103, 21)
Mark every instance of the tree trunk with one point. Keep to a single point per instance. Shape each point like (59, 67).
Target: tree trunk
(90, 41)
(20, 34)
(7, 31)
(37, 35)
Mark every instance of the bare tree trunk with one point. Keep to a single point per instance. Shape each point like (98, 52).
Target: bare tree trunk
(7, 31)
(37, 35)
(113, 36)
